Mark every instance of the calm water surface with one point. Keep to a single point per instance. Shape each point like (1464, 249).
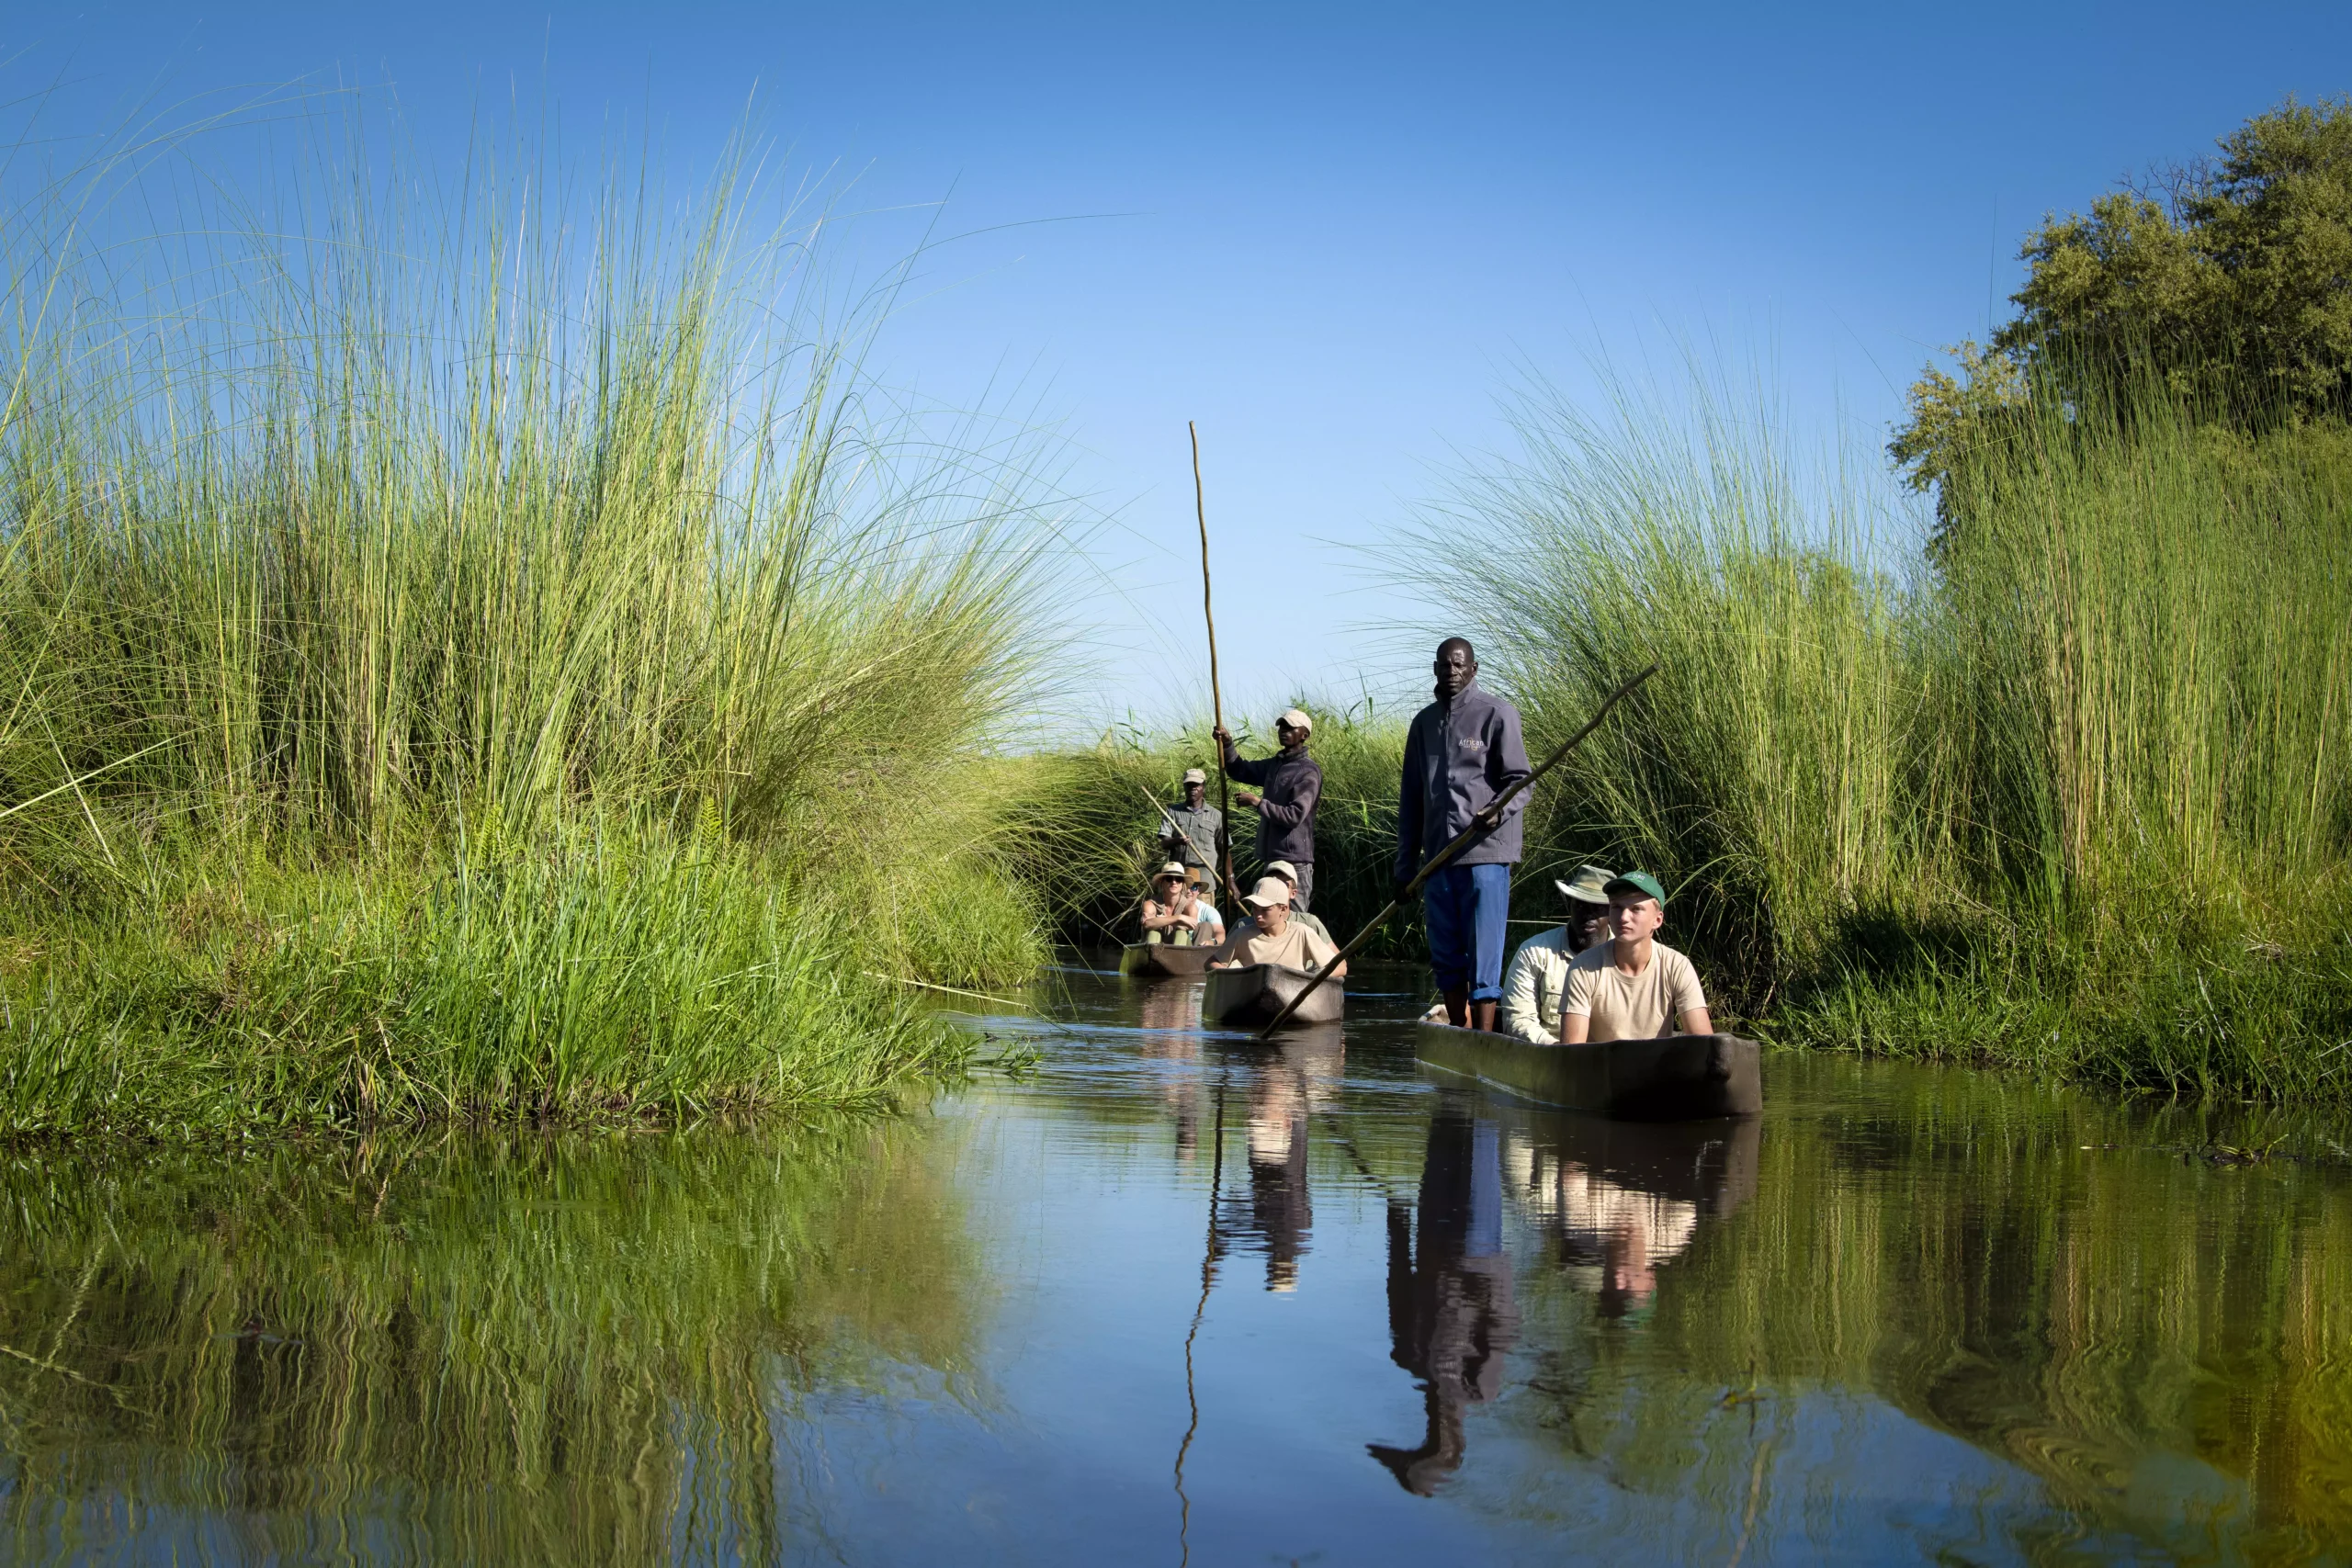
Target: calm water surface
(1172, 1296)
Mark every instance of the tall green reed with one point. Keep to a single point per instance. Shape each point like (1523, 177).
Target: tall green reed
(2078, 799)
(426, 535)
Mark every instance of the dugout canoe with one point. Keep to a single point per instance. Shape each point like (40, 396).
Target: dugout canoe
(1249, 998)
(1159, 960)
(1677, 1078)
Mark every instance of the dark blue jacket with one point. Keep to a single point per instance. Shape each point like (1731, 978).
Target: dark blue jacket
(1458, 757)
(1291, 783)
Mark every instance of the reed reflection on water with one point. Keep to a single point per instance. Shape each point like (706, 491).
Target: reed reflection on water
(1905, 1315)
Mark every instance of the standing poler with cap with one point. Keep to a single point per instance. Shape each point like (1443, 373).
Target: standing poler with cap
(1538, 976)
(1629, 988)
(1189, 833)
(1293, 782)
(1463, 751)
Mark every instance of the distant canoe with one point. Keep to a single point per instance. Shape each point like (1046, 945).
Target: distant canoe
(1677, 1078)
(1158, 960)
(1251, 996)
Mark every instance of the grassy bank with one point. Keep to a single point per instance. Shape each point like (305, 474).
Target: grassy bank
(490, 662)
(1081, 825)
(2079, 800)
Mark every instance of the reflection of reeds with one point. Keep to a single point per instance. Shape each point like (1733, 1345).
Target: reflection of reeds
(2093, 1316)
(386, 574)
(522, 1351)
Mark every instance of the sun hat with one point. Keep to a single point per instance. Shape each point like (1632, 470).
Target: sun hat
(1270, 891)
(1296, 718)
(1640, 882)
(1194, 775)
(1589, 885)
(1174, 868)
(1283, 869)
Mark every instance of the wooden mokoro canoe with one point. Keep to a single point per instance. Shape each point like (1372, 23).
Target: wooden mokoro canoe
(1677, 1078)
(1158, 960)
(1253, 996)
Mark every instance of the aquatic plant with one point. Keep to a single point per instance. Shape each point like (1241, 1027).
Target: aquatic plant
(381, 562)
(2078, 799)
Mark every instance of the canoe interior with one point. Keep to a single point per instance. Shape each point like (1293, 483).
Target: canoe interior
(1253, 996)
(1680, 1078)
(1156, 960)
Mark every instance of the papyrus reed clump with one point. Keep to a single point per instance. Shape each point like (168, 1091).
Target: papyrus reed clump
(2078, 795)
(395, 543)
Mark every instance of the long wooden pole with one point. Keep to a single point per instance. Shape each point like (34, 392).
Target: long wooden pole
(1216, 700)
(1492, 813)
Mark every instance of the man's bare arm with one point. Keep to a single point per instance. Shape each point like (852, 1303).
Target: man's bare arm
(1696, 1021)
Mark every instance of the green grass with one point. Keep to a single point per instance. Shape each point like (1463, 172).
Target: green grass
(503, 659)
(2082, 801)
(1082, 826)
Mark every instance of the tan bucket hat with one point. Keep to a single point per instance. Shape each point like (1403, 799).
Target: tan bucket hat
(1589, 885)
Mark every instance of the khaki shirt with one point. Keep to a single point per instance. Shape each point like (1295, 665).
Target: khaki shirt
(1629, 1006)
(1532, 986)
(1297, 947)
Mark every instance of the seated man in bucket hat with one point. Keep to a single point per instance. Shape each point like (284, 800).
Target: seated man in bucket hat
(1631, 987)
(1538, 976)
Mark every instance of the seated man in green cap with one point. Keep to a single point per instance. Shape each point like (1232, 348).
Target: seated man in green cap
(1538, 976)
(1629, 987)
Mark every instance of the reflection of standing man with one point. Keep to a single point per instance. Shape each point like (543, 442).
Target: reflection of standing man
(1451, 1316)
(1189, 833)
(1463, 751)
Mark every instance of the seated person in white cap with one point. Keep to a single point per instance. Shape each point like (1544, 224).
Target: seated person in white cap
(1538, 976)
(1298, 917)
(1277, 938)
(1293, 782)
(1632, 987)
(1175, 914)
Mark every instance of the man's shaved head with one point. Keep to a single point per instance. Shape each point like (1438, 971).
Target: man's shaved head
(1456, 665)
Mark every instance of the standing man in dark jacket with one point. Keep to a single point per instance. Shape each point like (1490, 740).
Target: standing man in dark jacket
(1462, 750)
(1293, 782)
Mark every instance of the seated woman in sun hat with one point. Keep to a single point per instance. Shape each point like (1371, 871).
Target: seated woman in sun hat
(1174, 913)
(1538, 976)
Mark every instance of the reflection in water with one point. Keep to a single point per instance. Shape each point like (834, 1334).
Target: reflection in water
(1611, 1203)
(1615, 1200)
(1288, 1082)
(1910, 1314)
(1450, 1312)
(1170, 1012)
(479, 1349)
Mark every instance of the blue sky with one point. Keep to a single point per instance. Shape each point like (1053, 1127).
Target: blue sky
(1331, 234)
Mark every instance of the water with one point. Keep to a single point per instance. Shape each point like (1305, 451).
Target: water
(1176, 1296)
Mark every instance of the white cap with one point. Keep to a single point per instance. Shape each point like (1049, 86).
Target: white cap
(1270, 891)
(1296, 718)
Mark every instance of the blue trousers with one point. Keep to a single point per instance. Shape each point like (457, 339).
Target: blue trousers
(1463, 908)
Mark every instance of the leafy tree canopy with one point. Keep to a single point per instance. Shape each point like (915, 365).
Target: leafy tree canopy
(2229, 281)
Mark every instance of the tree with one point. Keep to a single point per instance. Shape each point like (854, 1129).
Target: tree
(2229, 281)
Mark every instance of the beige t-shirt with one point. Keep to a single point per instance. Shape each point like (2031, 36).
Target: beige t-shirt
(1631, 1007)
(1297, 946)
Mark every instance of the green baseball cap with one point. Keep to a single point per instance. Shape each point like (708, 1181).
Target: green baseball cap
(1640, 882)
